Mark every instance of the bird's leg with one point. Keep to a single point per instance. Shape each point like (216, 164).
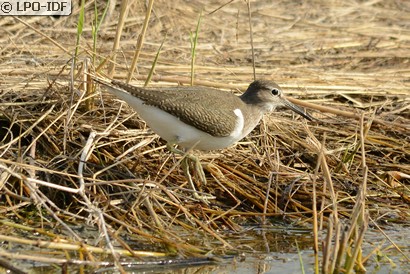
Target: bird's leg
(185, 164)
(198, 167)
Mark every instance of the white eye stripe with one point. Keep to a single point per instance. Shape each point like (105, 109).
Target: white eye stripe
(240, 122)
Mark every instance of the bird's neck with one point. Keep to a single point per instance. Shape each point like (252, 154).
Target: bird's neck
(252, 116)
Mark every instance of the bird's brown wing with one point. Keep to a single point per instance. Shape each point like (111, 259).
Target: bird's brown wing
(207, 109)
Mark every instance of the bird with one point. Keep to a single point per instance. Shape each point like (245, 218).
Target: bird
(202, 118)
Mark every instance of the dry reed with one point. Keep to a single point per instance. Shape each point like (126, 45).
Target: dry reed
(63, 163)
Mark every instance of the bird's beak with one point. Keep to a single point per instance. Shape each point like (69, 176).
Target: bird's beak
(297, 109)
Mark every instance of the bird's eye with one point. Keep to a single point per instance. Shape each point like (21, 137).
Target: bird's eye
(275, 91)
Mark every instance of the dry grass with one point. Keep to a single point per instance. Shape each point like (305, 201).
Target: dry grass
(64, 163)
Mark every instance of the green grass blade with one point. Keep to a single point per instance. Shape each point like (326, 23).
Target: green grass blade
(96, 24)
(80, 26)
(194, 42)
(302, 268)
(151, 72)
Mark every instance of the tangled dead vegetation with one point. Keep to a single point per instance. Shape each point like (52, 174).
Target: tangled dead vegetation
(65, 161)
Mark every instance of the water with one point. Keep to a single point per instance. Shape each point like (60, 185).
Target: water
(260, 250)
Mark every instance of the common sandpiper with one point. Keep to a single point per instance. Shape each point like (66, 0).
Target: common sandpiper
(201, 117)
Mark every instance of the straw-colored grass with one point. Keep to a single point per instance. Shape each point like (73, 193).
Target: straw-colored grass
(64, 163)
